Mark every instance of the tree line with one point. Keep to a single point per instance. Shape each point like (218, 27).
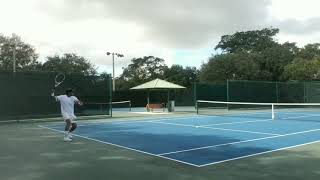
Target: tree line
(256, 55)
(14, 49)
(249, 55)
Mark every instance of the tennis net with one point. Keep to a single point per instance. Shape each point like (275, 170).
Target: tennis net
(103, 108)
(279, 111)
(121, 106)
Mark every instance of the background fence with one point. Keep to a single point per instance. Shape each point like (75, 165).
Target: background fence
(27, 94)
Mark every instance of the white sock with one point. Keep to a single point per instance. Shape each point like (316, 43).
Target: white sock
(66, 133)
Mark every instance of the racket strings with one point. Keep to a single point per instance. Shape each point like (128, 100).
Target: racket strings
(59, 79)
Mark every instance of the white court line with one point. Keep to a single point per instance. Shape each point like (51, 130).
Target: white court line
(142, 120)
(9, 121)
(162, 119)
(173, 118)
(238, 115)
(236, 130)
(251, 155)
(294, 112)
(161, 155)
(238, 142)
(175, 124)
(297, 112)
(241, 122)
(223, 129)
(297, 117)
(132, 149)
(124, 121)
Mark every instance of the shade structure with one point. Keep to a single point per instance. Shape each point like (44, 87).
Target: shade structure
(157, 84)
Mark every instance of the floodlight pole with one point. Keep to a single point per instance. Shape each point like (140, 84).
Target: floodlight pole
(113, 70)
(113, 77)
(14, 57)
(14, 53)
(0, 49)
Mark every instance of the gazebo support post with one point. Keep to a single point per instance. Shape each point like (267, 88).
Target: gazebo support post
(148, 98)
(168, 100)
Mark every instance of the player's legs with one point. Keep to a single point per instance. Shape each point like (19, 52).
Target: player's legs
(73, 127)
(68, 125)
(67, 130)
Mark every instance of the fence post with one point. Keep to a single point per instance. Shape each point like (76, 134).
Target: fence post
(277, 91)
(110, 94)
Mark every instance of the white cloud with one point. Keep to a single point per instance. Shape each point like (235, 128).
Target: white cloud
(299, 21)
(173, 23)
(295, 9)
(149, 27)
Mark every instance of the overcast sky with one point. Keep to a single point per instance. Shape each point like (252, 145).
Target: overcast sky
(180, 31)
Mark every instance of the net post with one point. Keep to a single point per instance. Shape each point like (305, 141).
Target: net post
(110, 94)
(304, 92)
(277, 91)
(197, 108)
(272, 109)
(130, 106)
(228, 98)
(195, 94)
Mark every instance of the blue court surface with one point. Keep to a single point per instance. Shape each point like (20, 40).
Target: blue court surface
(202, 140)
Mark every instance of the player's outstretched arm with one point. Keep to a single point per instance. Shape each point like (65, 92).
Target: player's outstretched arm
(53, 95)
(80, 103)
(77, 101)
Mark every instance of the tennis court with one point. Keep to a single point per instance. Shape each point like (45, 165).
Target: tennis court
(203, 140)
(119, 139)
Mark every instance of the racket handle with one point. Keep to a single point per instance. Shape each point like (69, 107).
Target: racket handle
(52, 92)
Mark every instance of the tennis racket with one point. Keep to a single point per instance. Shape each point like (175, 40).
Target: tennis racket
(59, 79)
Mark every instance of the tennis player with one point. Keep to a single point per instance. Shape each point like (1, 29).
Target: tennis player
(67, 102)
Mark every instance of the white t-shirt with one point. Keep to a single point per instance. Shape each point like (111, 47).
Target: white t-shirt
(67, 106)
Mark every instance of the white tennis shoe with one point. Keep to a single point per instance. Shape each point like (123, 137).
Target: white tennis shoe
(67, 139)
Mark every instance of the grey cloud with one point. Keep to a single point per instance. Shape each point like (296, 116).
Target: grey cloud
(302, 27)
(171, 23)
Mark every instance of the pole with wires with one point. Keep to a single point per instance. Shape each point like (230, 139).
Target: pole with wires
(113, 69)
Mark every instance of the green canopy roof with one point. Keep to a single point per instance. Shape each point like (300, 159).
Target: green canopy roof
(158, 84)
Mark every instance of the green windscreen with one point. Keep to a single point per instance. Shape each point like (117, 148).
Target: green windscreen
(252, 91)
(291, 92)
(260, 91)
(27, 94)
(312, 92)
(211, 91)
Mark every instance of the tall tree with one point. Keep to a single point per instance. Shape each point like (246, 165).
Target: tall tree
(252, 55)
(14, 49)
(248, 41)
(309, 51)
(182, 76)
(274, 59)
(240, 66)
(303, 69)
(105, 75)
(69, 63)
(141, 70)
